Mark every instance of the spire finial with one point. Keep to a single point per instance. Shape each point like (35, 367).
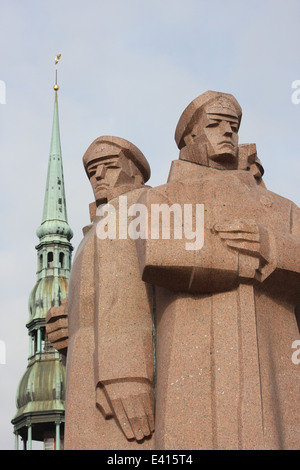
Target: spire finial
(57, 57)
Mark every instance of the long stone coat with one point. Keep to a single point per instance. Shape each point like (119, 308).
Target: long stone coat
(225, 322)
(110, 335)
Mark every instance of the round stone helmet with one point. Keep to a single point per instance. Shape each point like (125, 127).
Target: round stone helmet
(192, 112)
(106, 146)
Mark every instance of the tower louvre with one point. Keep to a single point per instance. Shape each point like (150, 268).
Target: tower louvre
(40, 396)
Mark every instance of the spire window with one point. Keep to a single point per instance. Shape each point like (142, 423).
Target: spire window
(50, 260)
(61, 260)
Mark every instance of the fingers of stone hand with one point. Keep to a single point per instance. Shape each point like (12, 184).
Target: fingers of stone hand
(133, 409)
(251, 248)
(137, 416)
(57, 330)
(240, 236)
(55, 312)
(239, 226)
(58, 324)
(57, 335)
(148, 403)
(122, 418)
(140, 427)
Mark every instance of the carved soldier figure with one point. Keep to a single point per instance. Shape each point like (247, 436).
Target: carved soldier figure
(106, 325)
(226, 312)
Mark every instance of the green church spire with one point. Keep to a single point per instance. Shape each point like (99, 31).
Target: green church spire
(55, 202)
(41, 392)
(55, 219)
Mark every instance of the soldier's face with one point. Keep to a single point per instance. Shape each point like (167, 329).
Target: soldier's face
(109, 172)
(219, 132)
(222, 133)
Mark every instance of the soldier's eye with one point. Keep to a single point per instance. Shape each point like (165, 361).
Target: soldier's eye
(213, 124)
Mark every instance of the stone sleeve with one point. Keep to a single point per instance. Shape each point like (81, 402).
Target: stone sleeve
(123, 316)
(168, 263)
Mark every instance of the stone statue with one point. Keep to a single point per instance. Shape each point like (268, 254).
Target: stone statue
(105, 326)
(226, 311)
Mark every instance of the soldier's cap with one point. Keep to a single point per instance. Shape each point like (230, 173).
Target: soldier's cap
(226, 101)
(109, 146)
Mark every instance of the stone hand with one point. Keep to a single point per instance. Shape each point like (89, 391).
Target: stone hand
(132, 405)
(250, 239)
(245, 236)
(57, 326)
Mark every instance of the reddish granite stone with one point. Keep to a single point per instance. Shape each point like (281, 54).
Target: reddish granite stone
(110, 396)
(225, 312)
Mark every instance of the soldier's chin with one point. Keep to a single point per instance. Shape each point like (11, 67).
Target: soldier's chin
(228, 155)
(101, 197)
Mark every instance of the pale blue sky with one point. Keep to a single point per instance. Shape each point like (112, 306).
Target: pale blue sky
(128, 68)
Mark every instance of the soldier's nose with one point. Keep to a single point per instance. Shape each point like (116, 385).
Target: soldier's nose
(227, 128)
(100, 172)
